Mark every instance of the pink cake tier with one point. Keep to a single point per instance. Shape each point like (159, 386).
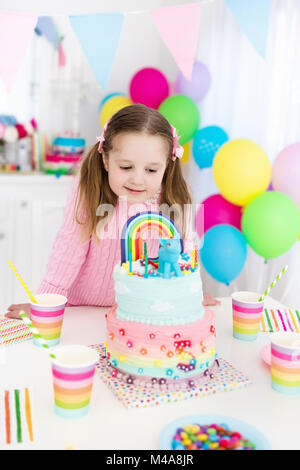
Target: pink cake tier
(166, 356)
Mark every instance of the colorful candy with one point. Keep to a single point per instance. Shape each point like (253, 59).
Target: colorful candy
(209, 437)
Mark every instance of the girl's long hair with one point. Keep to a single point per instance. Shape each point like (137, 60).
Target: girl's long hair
(94, 189)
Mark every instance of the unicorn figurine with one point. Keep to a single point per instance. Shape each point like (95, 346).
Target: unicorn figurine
(168, 255)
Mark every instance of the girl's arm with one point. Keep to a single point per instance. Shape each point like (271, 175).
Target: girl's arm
(68, 252)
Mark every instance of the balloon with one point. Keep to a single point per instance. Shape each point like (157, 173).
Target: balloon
(107, 97)
(216, 210)
(182, 113)
(224, 252)
(286, 172)
(271, 224)
(241, 171)
(197, 87)
(207, 142)
(112, 106)
(186, 153)
(149, 86)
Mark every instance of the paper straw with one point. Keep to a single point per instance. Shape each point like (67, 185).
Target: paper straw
(273, 284)
(22, 282)
(35, 332)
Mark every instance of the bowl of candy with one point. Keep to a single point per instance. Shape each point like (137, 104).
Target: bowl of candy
(211, 432)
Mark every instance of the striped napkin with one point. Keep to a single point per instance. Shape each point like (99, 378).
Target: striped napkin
(13, 331)
(284, 319)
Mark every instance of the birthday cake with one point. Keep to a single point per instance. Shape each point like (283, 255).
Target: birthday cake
(65, 154)
(158, 333)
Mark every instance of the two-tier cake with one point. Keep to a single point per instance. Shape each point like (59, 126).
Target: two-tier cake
(158, 333)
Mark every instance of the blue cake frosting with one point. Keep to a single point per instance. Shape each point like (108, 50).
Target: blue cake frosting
(158, 301)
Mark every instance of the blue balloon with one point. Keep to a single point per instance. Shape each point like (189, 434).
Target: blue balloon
(224, 252)
(207, 142)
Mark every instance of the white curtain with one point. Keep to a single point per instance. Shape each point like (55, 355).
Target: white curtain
(249, 97)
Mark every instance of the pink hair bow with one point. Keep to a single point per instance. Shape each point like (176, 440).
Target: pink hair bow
(177, 148)
(101, 139)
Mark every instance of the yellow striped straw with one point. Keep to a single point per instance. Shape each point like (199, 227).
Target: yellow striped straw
(22, 282)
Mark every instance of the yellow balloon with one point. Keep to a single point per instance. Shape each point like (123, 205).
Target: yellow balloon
(112, 106)
(241, 171)
(187, 152)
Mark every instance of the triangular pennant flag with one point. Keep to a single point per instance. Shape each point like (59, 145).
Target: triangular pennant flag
(16, 30)
(98, 35)
(179, 28)
(253, 18)
(46, 27)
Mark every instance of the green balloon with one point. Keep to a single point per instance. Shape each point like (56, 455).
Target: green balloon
(183, 113)
(271, 224)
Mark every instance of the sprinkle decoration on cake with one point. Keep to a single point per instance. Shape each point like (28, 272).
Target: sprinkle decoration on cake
(158, 333)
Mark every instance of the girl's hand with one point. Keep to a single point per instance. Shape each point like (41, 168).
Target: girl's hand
(14, 309)
(209, 300)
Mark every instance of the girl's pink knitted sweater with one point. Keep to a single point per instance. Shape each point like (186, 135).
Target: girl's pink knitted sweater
(82, 271)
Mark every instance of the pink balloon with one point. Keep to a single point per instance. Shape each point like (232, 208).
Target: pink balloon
(216, 210)
(149, 87)
(286, 172)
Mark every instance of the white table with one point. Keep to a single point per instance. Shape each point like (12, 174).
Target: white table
(109, 425)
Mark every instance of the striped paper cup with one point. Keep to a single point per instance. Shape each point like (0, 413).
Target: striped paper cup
(47, 316)
(247, 312)
(285, 362)
(73, 372)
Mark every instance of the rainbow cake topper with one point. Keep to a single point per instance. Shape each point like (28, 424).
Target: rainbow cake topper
(132, 233)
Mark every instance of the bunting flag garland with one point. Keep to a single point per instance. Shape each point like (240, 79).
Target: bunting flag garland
(252, 17)
(98, 35)
(16, 31)
(179, 28)
(46, 27)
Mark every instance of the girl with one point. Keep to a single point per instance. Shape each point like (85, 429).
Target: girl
(134, 167)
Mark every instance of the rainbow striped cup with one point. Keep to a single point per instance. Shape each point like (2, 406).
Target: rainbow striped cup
(73, 372)
(47, 316)
(247, 312)
(285, 362)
